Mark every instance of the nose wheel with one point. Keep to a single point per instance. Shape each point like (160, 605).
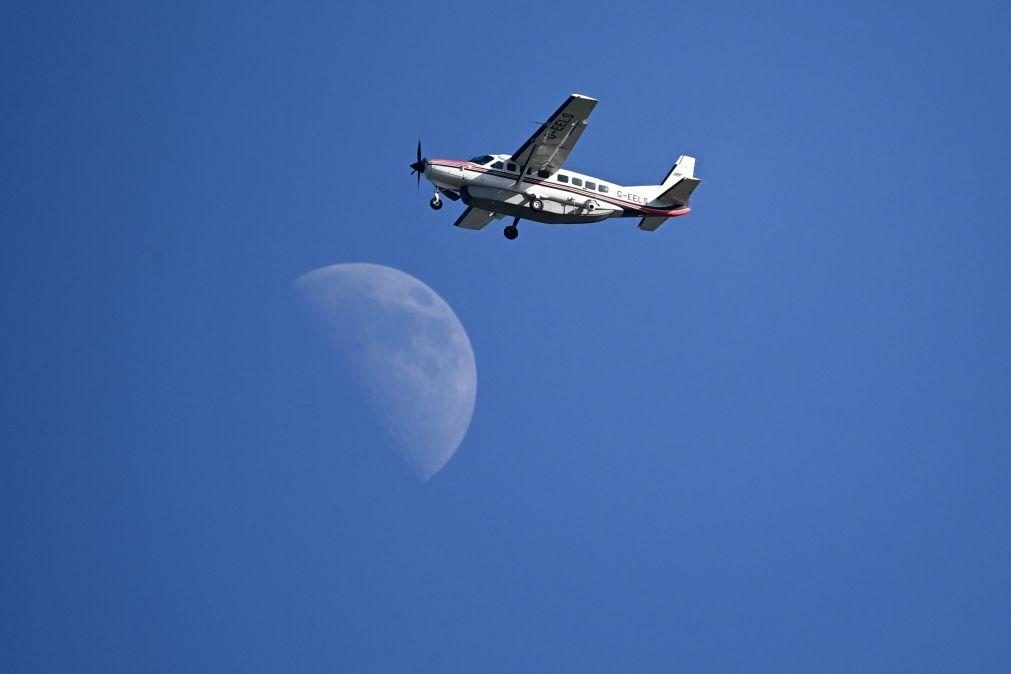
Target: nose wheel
(436, 202)
(512, 231)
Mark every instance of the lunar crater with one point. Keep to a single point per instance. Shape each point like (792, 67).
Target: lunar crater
(410, 355)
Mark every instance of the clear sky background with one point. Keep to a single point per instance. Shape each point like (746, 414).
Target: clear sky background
(773, 436)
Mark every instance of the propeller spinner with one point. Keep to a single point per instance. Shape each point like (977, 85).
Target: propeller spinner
(419, 166)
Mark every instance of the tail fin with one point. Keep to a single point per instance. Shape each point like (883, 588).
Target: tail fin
(680, 182)
(684, 167)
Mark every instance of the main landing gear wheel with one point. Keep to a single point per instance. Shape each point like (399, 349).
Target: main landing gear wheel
(512, 231)
(435, 203)
(537, 205)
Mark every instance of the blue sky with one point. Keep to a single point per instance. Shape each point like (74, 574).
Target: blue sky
(772, 436)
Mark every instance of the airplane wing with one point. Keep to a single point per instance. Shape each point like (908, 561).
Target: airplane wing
(475, 218)
(550, 146)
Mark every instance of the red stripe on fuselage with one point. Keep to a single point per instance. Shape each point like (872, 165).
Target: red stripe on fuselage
(450, 163)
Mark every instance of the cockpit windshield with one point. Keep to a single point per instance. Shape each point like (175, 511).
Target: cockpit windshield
(482, 160)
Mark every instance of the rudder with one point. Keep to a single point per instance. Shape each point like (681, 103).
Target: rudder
(684, 167)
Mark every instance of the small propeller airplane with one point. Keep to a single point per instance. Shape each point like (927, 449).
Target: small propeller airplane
(529, 183)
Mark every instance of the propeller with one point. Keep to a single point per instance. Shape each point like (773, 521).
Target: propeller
(419, 166)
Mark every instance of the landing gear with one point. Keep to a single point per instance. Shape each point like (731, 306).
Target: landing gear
(436, 202)
(536, 204)
(512, 231)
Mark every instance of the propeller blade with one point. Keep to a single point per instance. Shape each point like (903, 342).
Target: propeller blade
(419, 166)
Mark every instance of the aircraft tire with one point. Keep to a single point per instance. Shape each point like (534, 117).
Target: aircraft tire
(435, 203)
(536, 205)
(511, 232)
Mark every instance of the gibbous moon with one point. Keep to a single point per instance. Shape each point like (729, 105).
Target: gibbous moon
(408, 352)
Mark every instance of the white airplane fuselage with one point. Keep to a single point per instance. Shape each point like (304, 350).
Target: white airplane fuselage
(562, 197)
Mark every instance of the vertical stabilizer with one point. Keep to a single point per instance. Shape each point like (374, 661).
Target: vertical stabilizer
(683, 168)
(679, 184)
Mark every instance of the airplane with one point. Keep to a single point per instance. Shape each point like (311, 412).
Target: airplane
(530, 184)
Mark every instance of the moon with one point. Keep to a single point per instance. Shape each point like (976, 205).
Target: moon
(408, 353)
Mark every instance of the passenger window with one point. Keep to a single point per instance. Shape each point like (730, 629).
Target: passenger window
(563, 178)
(498, 165)
(544, 173)
(578, 182)
(511, 167)
(603, 188)
(591, 186)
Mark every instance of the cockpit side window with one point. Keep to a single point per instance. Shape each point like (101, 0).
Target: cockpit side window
(498, 165)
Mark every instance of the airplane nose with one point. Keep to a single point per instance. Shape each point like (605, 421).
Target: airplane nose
(420, 166)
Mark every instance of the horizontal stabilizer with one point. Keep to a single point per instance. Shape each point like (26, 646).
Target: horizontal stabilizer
(680, 192)
(651, 222)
